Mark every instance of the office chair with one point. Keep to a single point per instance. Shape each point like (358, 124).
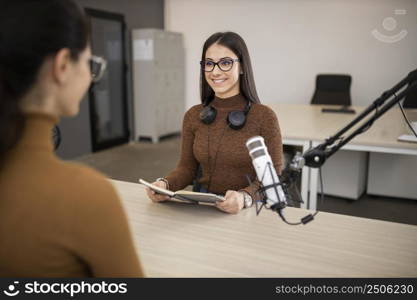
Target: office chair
(333, 89)
(410, 100)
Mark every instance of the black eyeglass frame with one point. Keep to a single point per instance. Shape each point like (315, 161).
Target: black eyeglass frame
(202, 64)
(101, 64)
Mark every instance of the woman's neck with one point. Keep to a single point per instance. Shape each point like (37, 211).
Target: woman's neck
(226, 95)
(234, 102)
(37, 102)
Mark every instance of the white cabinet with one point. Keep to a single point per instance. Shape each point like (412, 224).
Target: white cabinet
(158, 82)
(344, 174)
(392, 175)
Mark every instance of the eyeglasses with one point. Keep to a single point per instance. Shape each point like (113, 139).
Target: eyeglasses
(225, 64)
(97, 67)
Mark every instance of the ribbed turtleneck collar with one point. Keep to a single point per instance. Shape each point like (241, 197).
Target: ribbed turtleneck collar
(37, 131)
(237, 101)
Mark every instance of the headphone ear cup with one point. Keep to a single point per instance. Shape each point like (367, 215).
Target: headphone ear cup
(208, 115)
(236, 119)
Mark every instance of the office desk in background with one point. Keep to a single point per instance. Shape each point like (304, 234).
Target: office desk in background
(186, 240)
(306, 125)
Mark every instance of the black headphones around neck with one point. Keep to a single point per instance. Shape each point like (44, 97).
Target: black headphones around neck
(235, 119)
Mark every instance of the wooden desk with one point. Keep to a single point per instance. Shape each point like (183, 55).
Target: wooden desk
(304, 124)
(307, 122)
(185, 240)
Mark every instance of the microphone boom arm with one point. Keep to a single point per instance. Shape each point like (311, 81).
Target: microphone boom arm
(316, 157)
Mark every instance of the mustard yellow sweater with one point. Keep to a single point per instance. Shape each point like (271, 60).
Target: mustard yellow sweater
(59, 219)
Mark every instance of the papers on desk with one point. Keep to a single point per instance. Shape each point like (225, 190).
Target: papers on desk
(408, 138)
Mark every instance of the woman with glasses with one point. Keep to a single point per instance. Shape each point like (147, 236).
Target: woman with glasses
(57, 219)
(214, 133)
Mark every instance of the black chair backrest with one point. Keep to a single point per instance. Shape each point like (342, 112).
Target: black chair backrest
(333, 89)
(410, 100)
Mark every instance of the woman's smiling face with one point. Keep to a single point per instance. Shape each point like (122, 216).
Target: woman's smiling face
(224, 83)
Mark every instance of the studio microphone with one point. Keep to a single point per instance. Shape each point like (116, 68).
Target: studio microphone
(266, 173)
(276, 199)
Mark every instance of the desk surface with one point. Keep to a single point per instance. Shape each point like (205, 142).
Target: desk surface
(307, 122)
(185, 240)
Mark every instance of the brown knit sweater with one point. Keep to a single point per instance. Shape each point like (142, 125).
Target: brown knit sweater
(59, 219)
(221, 151)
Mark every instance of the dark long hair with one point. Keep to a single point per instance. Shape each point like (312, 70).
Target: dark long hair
(234, 42)
(31, 30)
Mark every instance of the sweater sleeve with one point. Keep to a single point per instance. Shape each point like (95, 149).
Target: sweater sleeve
(101, 234)
(186, 169)
(271, 133)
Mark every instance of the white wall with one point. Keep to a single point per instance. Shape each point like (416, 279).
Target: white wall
(290, 41)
